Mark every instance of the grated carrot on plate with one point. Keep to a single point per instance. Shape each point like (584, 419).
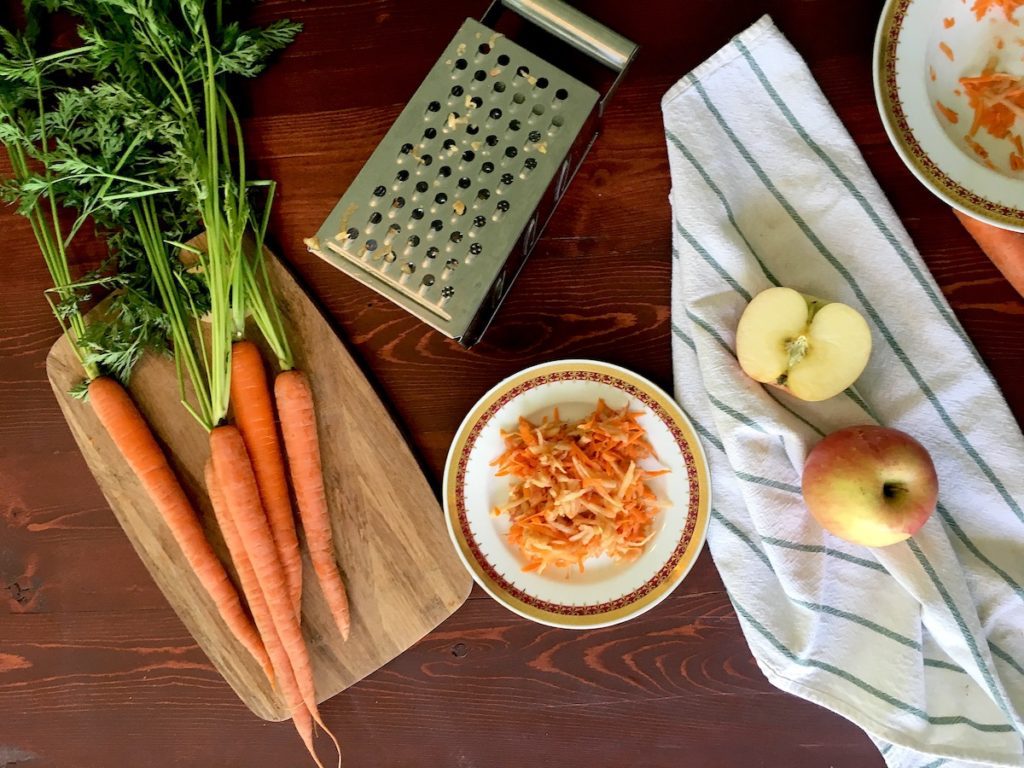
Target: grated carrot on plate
(981, 7)
(578, 490)
(997, 99)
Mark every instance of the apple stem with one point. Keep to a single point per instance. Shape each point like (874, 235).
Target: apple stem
(797, 349)
(892, 490)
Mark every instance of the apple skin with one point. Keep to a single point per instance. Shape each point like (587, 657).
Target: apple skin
(870, 485)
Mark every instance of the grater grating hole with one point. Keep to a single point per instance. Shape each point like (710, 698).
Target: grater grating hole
(375, 217)
(432, 252)
(427, 281)
(455, 237)
(499, 87)
(408, 268)
(556, 122)
(468, 156)
(422, 186)
(538, 109)
(487, 167)
(480, 75)
(390, 257)
(476, 249)
(426, 159)
(514, 125)
(437, 225)
(430, 133)
(451, 264)
(503, 59)
(479, 221)
(511, 152)
(495, 114)
(434, 106)
(535, 136)
(447, 292)
(450, 145)
(398, 202)
(507, 179)
(561, 94)
(352, 233)
(483, 49)
(444, 171)
(402, 175)
(518, 98)
(542, 82)
(483, 194)
(464, 183)
(491, 140)
(393, 230)
(457, 91)
(380, 191)
(417, 214)
(413, 241)
(371, 245)
(406, 148)
(440, 198)
(522, 71)
(461, 64)
(476, 102)
(472, 130)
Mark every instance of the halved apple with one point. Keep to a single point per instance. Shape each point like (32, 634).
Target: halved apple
(812, 348)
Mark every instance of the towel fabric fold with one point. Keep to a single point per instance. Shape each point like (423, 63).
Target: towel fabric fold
(921, 643)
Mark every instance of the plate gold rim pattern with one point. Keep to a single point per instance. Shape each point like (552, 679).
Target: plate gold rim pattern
(671, 572)
(890, 28)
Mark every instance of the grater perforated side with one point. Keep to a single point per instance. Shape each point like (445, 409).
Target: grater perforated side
(453, 186)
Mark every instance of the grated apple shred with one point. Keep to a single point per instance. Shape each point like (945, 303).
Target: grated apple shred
(578, 489)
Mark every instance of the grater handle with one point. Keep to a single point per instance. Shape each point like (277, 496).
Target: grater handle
(578, 30)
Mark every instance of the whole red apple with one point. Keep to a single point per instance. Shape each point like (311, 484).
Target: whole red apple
(870, 485)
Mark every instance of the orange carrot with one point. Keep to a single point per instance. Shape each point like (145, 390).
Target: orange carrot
(133, 438)
(298, 427)
(238, 485)
(948, 113)
(1004, 248)
(944, 47)
(254, 416)
(261, 613)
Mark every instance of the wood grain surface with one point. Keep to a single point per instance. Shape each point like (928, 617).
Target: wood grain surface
(402, 575)
(96, 670)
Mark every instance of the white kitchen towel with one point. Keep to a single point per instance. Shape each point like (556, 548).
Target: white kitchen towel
(921, 643)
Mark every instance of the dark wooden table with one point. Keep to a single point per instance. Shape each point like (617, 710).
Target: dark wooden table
(95, 669)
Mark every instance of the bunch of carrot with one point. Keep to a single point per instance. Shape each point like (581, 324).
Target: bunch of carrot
(264, 445)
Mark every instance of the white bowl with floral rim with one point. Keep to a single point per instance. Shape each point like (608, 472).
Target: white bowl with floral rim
(608, 591)
(922, 49)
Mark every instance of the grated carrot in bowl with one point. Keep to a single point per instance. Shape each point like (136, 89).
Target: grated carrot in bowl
(578, 490)
(997, 100)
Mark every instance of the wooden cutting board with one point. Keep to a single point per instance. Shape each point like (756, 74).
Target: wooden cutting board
(402, 573)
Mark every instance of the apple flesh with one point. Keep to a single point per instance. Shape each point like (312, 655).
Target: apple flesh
(870, 485)
(811, 348)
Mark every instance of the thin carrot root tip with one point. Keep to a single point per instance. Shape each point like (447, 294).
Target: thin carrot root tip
(297, 413)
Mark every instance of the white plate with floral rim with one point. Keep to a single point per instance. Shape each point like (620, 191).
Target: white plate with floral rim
(922, 49)
(607, 592)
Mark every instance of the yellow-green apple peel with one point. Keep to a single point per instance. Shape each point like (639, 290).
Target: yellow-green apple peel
(870, 485)
(813, 349)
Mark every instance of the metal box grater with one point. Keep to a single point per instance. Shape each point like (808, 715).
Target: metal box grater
(443, 215)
